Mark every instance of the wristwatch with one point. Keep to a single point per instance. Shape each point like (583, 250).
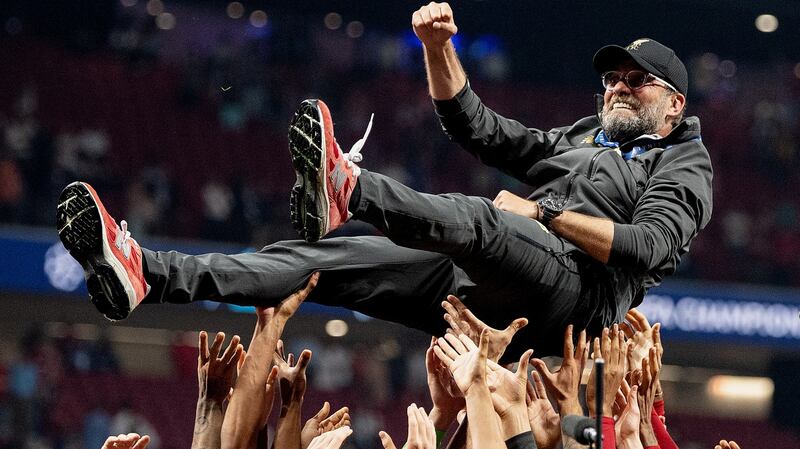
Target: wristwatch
(549, 209)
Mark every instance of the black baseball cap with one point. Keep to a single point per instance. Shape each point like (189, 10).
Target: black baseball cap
(651, 55)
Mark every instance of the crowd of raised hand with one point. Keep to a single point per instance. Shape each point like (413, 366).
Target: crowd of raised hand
(476, 401)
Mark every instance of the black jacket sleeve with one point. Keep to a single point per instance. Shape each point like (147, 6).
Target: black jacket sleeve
(675, 205)
(522, 441)
(495, 140)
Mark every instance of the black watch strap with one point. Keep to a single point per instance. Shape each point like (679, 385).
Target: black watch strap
(549, 209)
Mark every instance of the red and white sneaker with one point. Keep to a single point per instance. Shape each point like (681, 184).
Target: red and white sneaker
(326, 176)
(111, 259)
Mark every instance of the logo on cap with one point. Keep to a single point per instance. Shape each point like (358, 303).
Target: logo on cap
(636, 44)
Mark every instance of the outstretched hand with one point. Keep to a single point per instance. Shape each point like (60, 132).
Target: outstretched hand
(331, 440)
(545, 422)
(463, 321)
(447, 400)
(467, 364)
(421, 434)
(724, 444)
(321, 423)
(563, 385)
(129, 441)
(291, 375)
(215, 372)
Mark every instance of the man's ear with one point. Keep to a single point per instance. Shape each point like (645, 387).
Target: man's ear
(677, 103)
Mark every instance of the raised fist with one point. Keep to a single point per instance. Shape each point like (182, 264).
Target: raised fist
(433, 24)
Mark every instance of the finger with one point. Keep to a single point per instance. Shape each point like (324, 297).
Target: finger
(231, 350)
(530, 391)
(436, 13)
(569, 347)
(639, 319)
(597, 350)
(413, 427)
(657, 338)
(142, 443)
(627, 329)
(426, 427)
(216, 345)
(483, 347)
(339, 435)
(202, 347)
(416, 19)
(447, 26)
(323, 412)
(733, 445)
(456, 344)
(582, 347)
(444, 344)
(445, 12)
(515, 326)
(546, 376)
(338, 416)
(541, 391)
(468, 343)
(386, 440)
(620, 399)
(242, 356)
(446, 359)
(455, 326)
(426, 17)
(273, 374)
(303, 360)
(279, 348)
(522, 367)
(303, 293)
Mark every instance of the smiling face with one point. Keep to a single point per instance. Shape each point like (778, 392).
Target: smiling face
(628, 113)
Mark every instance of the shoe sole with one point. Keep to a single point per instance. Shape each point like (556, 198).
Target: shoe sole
(308, 201)
(82, 232)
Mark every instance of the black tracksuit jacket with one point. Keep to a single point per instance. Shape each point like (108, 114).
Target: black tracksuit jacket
(658, 200)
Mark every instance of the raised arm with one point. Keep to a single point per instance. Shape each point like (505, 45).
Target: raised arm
(434, 26)
(495, 140)
(215, 377)
(248, 407)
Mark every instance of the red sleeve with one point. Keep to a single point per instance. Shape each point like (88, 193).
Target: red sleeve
(658, 406)
(664, 440)
(609, 435)
(652, 447)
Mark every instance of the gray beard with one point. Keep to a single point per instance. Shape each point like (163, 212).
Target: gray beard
(624, 129)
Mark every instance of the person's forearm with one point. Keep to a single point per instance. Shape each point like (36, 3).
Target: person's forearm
(446, 77)
(484, 427)
(569, 407)
(207, 425)
(647, 434)
(663, 437)
(246, 409)
(287, 432)
(631, 442)
(441, 418)
(514, 422)
(591, 234)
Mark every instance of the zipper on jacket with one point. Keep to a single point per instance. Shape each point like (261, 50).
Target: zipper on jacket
(569, 189)
(594, 159)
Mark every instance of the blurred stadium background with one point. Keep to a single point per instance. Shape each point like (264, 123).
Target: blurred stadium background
(176, 112)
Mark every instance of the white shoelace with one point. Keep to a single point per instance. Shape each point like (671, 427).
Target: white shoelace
(123, 240)
(354, 156)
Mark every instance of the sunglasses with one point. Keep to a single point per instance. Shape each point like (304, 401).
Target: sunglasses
(634, 79)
